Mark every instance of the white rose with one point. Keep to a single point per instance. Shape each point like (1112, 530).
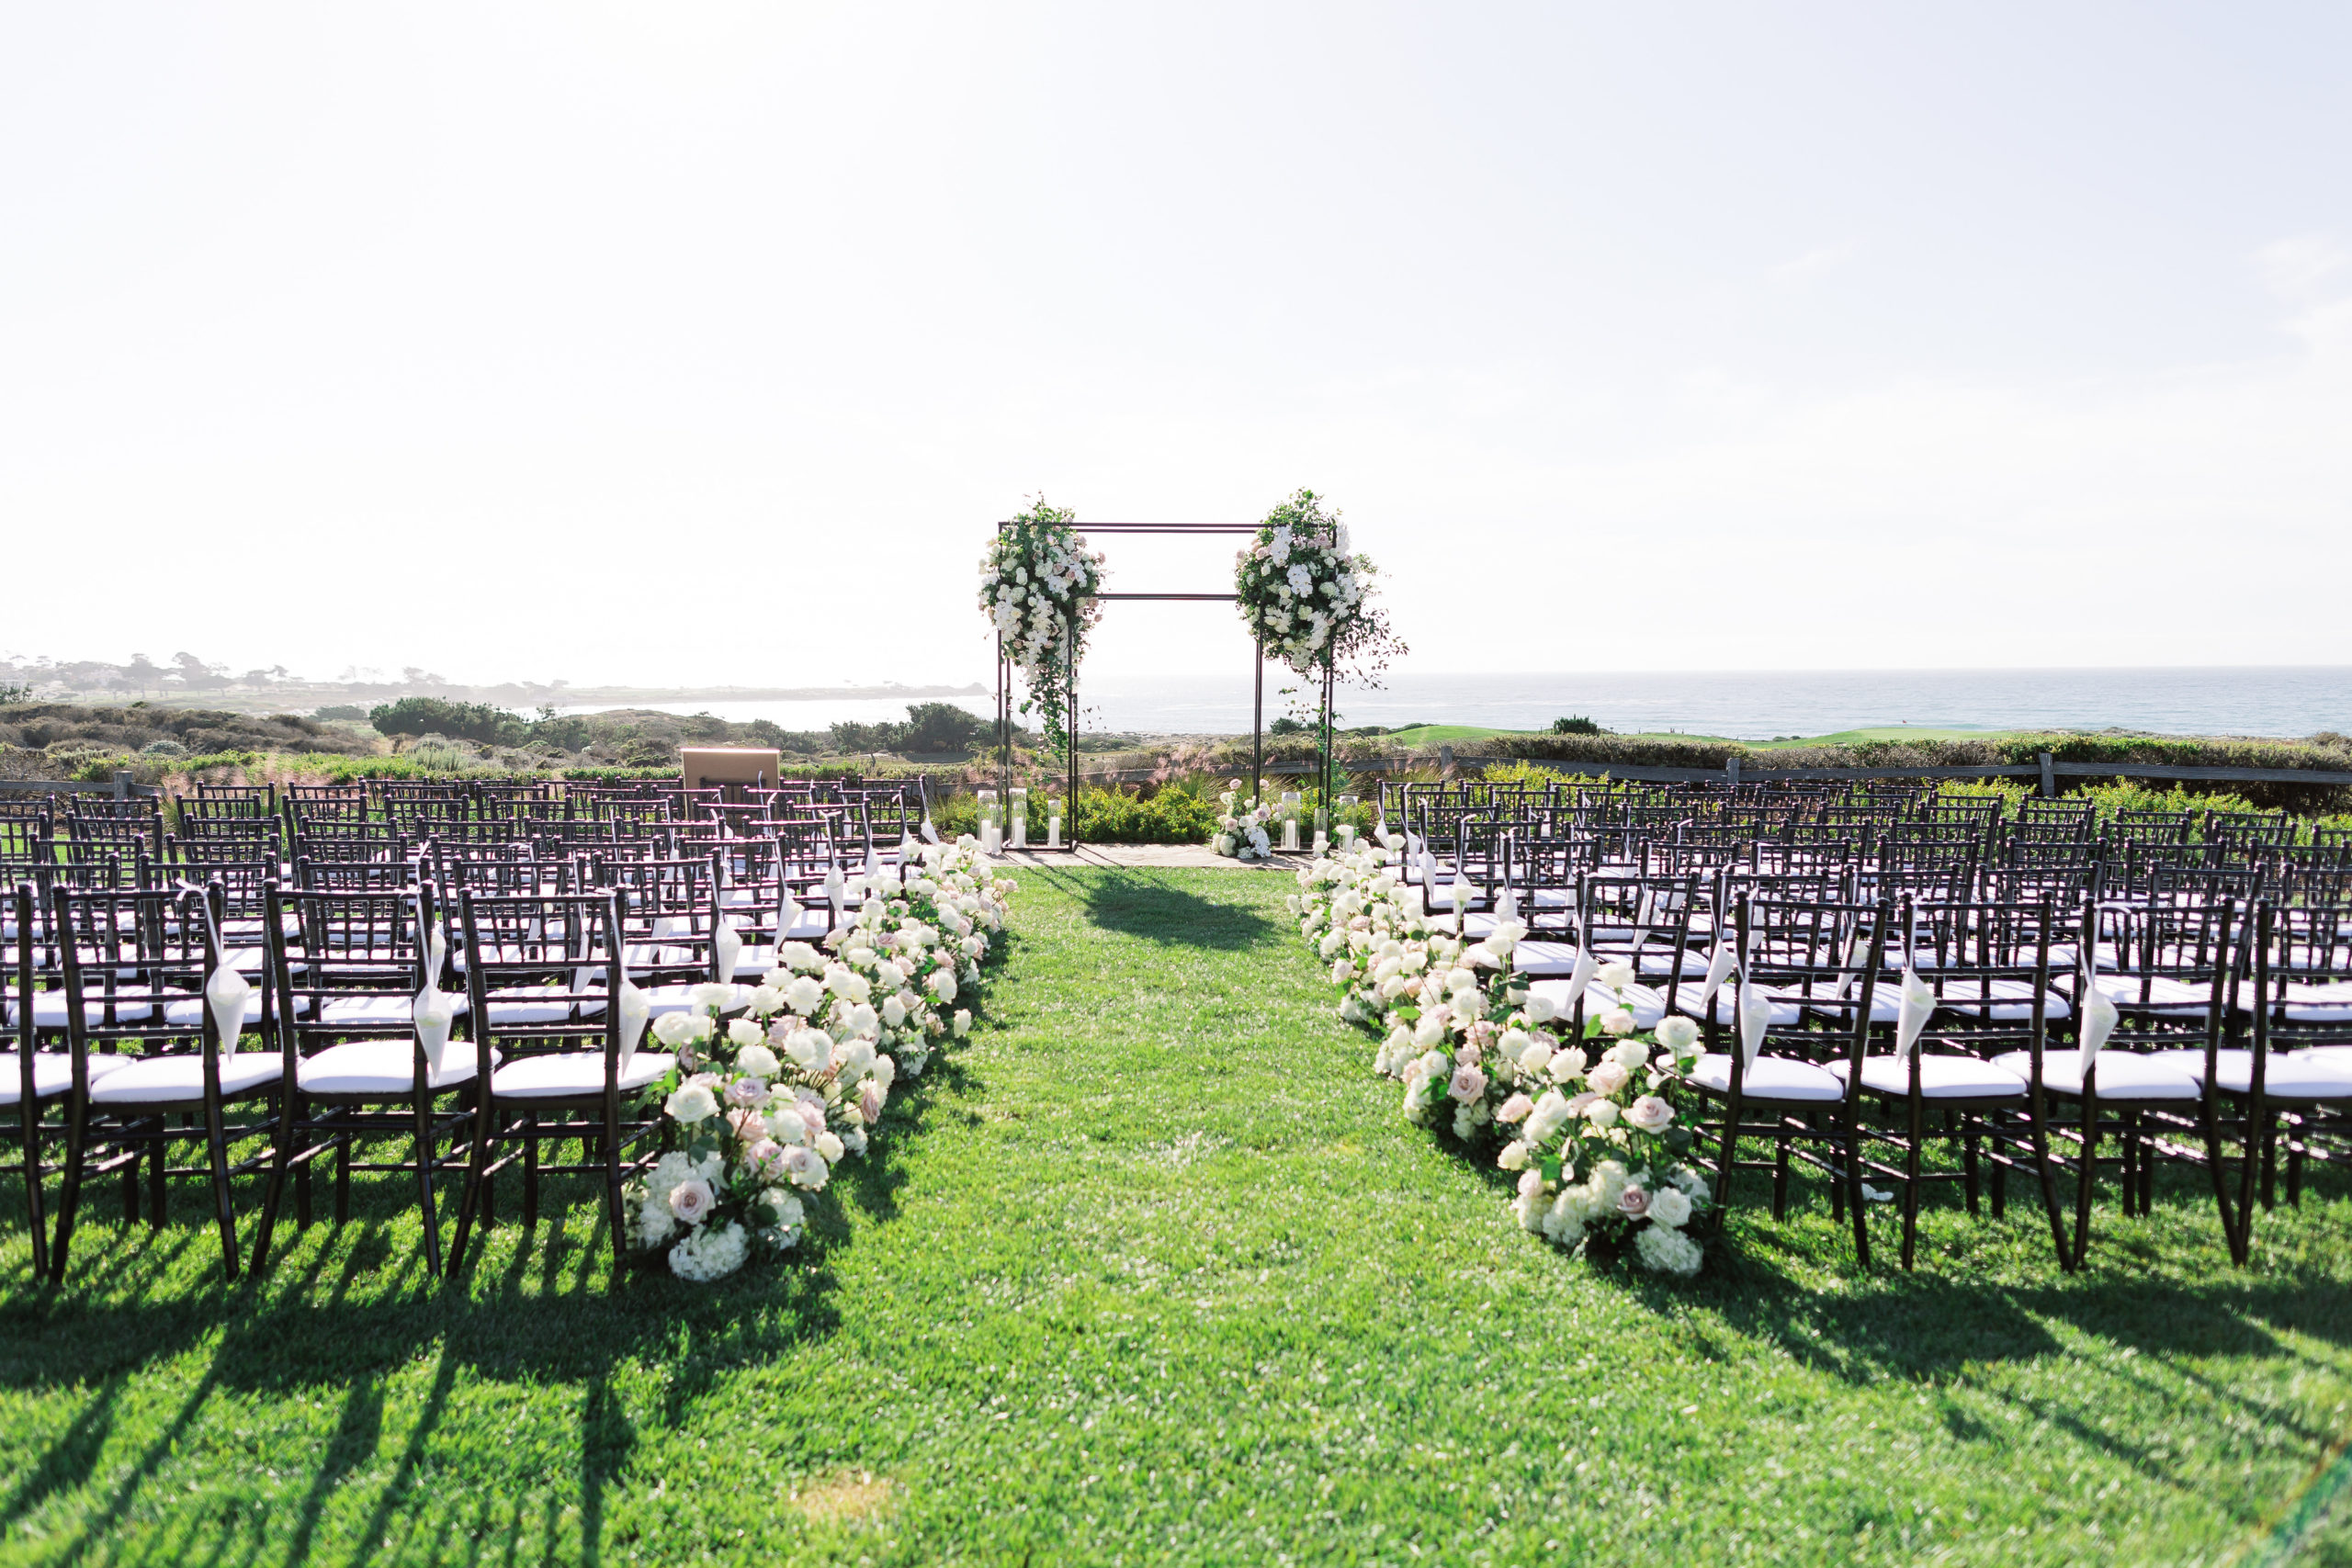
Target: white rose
(1670, 1207)
(1513, 1158)
(943, 984)
(757, 1060)
(691, 1104)
(1678, 1034)
(1630, 1053)
(830, 1146)
(963, 1023)
(805, 995)
(894, 1011)
(1617, 1021)
(1601, 1113)
(1616, 975)
(742, 1031)
(1542, 1008)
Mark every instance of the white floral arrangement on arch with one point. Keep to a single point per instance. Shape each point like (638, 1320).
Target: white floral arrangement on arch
(1037, 583)
(1306, 594)
(764, 1107)
(1583, 1115)
(1241, 830)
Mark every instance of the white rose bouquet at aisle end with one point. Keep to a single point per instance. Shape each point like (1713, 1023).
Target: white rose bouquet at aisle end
(1037, 583)
(1241, 832)
(764, 1107)
(724, 1191)
(1597, 1144)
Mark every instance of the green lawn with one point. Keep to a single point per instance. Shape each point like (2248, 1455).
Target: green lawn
(1153, 1271)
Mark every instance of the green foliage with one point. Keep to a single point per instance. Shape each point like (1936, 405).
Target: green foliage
(1577, 726)
(931, 728)
(463, 721)
(14, 692)
(340, 711)
(1289, 725)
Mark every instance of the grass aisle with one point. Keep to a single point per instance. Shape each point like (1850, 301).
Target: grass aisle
(1155, 1272)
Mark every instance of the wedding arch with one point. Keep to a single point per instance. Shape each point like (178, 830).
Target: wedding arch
(1004, 665)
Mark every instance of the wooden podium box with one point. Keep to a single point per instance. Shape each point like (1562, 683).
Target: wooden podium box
(703, 767)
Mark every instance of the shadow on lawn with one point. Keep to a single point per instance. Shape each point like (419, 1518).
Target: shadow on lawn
(1150, 905)
(346, 1319)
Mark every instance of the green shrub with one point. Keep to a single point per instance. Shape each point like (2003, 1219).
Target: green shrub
(465, 721)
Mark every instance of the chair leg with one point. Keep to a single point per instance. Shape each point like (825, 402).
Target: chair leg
(2235, 1227)
(1723, 1164)
(424, 1140)
(477, 1157)
(273, 1194)
(342, 1143)
(1911, 1185)
(1780, 1176)
(216, 1147)
(1850, 1181)
(69, 1196)
(2038, 1108)
(530, 1170)
(2000, 1136)
(29, 1121)
(2086, 1182)
(156, 1169)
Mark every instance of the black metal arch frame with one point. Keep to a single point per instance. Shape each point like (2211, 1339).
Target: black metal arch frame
(1257, 705)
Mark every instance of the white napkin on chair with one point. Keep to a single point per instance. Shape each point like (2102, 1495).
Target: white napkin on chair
(726, 947)
(432, 1013)
(1911, 1016)
(1754, 1018)
(1580, 976)
(2099, 1017)
(1719, 969)
(225, 995)
(633, 1009)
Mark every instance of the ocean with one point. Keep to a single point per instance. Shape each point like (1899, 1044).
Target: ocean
(1745, 705)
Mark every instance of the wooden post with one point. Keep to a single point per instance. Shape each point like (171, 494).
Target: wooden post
(2049, 778)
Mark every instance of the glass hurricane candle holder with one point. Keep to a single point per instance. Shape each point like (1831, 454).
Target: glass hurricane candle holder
(1053, 822)
(1017, 814)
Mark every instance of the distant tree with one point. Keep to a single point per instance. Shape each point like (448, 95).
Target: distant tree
(1287, 725)
(941, 727)
(1576, 727)
(850, 737)
(462, 721)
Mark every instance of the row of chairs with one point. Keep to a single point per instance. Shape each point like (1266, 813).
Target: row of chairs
(482, 1005)
(1861, 1009)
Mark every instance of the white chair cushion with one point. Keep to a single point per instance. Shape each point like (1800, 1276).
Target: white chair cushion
(2122, 1074)
(2326, 1055)
(49, 1008)
(1647, 1005)
(188, 1012)
(2289, 1075)
(1784, 1013)
(532, 1004)
(661, 999)
(573, 1074)
(382, 1067)
(180, 1078)
(1544, 958)
(52, 1074)
(1940, 1078)
(2005, 1001)
(393, 1010)
(2322, 1001)
(1769, 1077)
(2165, 995)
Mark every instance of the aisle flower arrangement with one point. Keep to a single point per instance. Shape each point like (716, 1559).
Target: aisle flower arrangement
(1037, 585)
(1571, 1098)
(763, 1106)
(1241, 830)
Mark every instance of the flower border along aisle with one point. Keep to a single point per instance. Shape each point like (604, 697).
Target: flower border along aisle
(1037, 585)
(1600, 1155)
(761, 1108)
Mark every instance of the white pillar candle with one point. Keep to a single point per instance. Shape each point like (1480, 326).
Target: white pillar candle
(1290, 833)
(1054, 831)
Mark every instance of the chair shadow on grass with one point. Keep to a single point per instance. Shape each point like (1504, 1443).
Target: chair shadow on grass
(341, 1322)
(1151, 906)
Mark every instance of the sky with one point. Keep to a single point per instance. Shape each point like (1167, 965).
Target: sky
(702, 344)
